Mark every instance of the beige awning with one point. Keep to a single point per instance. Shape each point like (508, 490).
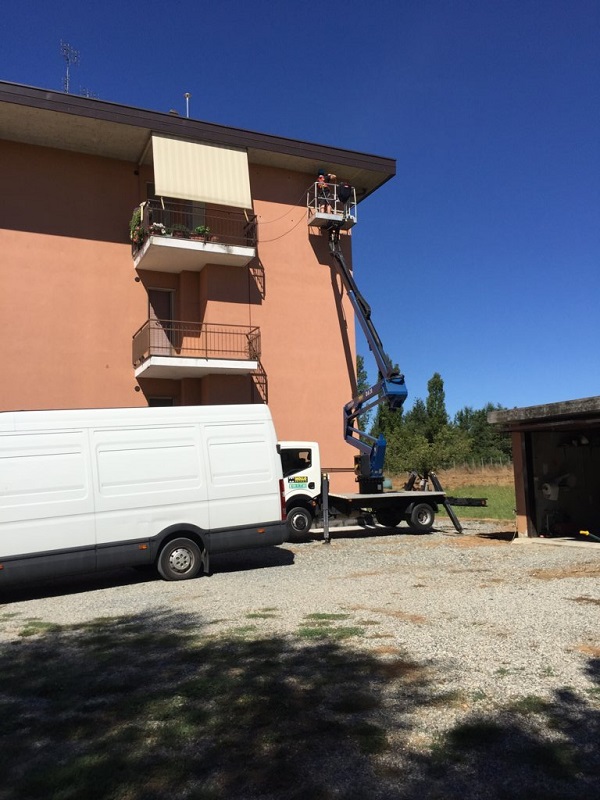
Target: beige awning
(201, 172)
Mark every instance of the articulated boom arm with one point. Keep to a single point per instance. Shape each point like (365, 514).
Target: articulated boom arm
(390, 389)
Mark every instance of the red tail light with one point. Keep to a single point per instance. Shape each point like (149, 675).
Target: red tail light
(282, 497)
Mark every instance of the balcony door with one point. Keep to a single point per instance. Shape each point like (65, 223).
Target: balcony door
(160, 314)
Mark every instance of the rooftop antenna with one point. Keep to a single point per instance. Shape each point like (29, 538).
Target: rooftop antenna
(71, 56)
(187, 96)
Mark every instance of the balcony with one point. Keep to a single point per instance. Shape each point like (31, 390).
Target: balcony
(176, 236)
(192, 349)
(331, 205)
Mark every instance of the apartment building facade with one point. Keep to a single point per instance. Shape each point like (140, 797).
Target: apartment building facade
(151, 259)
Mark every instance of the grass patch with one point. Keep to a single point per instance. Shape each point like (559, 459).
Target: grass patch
(261, 615)
(243, 630)
(530, 704)
(35, 626)
(500, 502)
(323, 625)
(503, 672)
(326, 632)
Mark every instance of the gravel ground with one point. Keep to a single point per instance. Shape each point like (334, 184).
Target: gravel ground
(492, 649)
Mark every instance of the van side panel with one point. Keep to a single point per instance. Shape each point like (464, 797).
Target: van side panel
(46, 501)
(145, 479)
(243, 470)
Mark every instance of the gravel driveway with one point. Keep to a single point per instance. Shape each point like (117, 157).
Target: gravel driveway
(483, 655)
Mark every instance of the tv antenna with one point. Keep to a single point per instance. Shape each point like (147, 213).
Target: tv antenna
(187, 96)
(71, 57)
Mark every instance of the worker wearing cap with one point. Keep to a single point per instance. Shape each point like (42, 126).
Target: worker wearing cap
(323, 191)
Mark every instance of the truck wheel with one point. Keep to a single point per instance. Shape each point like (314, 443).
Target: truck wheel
(388, 517)
(179, 560)
(422, 517)
(298, 523)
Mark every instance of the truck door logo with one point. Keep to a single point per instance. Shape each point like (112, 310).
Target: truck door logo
(298, 482)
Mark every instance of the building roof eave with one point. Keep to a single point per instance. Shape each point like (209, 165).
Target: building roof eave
(64, 121)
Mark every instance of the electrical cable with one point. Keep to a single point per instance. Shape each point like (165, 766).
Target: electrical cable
(295, 225)
(290, 209)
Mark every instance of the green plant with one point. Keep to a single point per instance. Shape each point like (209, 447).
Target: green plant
(202, 230)
(181, 230)
(137, 232)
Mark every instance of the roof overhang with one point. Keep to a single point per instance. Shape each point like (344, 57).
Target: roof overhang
(85, 125)
(552, 416)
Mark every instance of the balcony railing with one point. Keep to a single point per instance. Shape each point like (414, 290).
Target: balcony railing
(187, 220)
(177, 339)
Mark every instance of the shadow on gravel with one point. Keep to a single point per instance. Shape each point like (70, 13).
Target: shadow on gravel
(531, 748)
(369, 532)
(501, 536)
(153, 707)
(239, 561)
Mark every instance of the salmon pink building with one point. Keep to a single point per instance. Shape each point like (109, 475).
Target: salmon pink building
(151, 259)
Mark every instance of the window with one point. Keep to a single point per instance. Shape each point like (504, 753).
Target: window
(295, 460)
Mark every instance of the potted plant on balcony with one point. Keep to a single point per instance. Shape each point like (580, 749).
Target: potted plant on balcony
(180, 231)
(201, 232)
(137, 232)
(157, 229)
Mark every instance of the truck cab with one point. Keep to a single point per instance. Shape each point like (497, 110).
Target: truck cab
(301, 462)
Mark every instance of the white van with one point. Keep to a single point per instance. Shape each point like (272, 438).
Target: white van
(94, 489)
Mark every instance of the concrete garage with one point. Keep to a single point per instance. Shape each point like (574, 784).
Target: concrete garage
(556, 452)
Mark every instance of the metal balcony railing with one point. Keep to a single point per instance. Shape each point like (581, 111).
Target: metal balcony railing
(189, 220)
(178, 339)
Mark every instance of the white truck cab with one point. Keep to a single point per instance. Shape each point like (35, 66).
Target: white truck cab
(301, 462)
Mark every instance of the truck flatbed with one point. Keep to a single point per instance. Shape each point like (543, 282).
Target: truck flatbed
(417, 508)
(357, 501)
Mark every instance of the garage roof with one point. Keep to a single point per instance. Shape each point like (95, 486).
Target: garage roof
(552, 416)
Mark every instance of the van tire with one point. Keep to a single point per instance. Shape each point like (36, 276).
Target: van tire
(298, 522)
(422, 517)
(179, 560)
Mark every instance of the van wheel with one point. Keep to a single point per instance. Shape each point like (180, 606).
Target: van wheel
(298, 522)
(422, 517)
(179, 560)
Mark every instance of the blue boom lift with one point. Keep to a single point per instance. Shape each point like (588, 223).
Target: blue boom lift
(389, 389)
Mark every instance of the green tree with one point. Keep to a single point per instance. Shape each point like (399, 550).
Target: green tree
(488, 442)
(437, 417)
(362, 384)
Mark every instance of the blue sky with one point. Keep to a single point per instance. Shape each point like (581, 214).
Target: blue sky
(481, 258)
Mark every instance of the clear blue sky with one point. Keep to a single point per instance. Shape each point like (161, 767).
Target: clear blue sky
(481, 258)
